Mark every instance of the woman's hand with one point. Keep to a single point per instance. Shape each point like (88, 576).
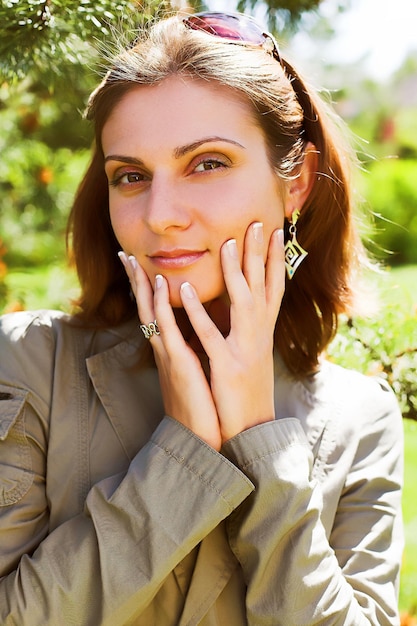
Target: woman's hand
(185, 390)
(241, 390)
(241, 365)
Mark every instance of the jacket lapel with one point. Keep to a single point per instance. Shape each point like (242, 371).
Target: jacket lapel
(129, 393)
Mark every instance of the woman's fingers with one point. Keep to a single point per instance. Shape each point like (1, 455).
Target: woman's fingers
(254, 260)
(236, 283)
(256, 288)
(187, 394)
(242, 380)
(275, 273)
(246, 284)
(209, 335)
(266, 278)
(141, 287)
(169, 330)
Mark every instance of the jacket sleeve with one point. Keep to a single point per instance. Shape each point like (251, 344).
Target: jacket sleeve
(295, 572)
(105, 565)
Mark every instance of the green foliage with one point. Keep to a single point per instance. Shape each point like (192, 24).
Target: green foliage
(406, 132)
(375, 347)
(48, 36)
(45, 146)
(386, 343)
(52, 286)
(390, 189)
(42, 203)
(283, 13)
(384, 116)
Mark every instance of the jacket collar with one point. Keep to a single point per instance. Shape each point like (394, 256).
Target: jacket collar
(129, 393)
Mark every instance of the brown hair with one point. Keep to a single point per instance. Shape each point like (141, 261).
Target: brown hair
(290, 115)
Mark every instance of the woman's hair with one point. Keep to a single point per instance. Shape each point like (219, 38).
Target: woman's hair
(290, 115)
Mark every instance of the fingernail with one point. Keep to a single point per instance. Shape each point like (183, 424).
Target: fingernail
(158, 281)
(280, 237)
(232, 248)
(258, 231)
(133, 262)
(123, 257)
(188, 290)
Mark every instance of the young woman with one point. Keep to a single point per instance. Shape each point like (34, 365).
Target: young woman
(204, 465)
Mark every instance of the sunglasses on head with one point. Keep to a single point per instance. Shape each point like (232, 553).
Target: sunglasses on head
(234, 27)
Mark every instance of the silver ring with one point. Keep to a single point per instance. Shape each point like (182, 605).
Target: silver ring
(150, 329)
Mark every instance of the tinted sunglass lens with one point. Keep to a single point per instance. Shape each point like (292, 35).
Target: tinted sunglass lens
(234, 28)
(227, 27)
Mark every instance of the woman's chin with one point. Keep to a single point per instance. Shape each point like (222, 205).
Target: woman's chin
(205, 293)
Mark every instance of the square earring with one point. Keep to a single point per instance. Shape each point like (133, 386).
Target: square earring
(294, 253)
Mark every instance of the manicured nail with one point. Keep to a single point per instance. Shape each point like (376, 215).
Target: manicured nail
(188, 290)
(232, 248)
(280, 237)
(133, 262)
(123, 257)
(158, 281)
(258, 231)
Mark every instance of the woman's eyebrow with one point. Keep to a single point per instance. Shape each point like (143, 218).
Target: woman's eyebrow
(123, 159)
(189, 147)
(178, 152)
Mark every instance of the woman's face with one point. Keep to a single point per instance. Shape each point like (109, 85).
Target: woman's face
(188, 170)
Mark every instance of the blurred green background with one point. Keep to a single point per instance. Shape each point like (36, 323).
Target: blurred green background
(50, 56)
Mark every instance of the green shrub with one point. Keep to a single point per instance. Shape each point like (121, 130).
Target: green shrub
(44, 154)
(38, 186)
(390, 190)
(377, 347)
(386, 343)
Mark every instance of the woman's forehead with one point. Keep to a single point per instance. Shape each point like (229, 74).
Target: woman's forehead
(181, 110)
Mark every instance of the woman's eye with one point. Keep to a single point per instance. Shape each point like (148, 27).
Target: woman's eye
(128, 178)
(209, 164)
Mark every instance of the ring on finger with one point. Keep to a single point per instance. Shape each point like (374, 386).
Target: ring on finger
(150, 329)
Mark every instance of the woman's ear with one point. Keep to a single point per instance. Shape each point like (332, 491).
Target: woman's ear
(300, 187)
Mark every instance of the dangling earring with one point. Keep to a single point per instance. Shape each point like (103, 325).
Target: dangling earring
(294, 253)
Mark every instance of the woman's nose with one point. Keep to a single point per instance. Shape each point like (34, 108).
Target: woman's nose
(166, 207)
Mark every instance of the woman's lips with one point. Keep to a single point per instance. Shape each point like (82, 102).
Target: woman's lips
(175, 259)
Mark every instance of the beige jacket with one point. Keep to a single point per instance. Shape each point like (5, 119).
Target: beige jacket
(112, 514)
